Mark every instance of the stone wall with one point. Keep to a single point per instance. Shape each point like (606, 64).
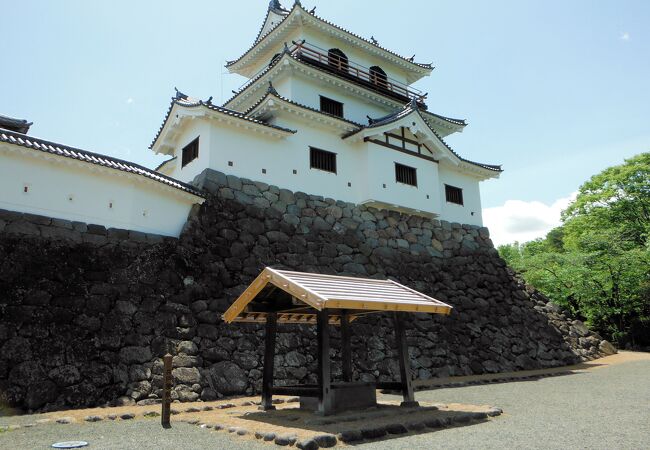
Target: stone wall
(84, 321)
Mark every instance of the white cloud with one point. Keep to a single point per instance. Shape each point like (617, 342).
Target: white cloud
(521, 221)
(129, 101)
(625, 36)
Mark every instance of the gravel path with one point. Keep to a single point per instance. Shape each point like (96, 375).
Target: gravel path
(606, 408)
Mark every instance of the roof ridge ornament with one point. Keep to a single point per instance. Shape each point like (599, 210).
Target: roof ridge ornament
(179, 95)
(297, 3)
(373, 40)
(275, 4)
(271, 89)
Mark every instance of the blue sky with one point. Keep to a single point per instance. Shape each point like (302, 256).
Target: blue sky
(553, 90)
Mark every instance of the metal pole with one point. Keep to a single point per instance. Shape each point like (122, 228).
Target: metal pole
(167, 391)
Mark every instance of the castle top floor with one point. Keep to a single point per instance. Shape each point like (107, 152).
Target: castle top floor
(288, 28)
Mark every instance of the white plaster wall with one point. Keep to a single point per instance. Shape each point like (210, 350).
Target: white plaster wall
(365, 166)
(190, 130)
(381, 170)
(63, 188)
(471, 198)
(307, 91)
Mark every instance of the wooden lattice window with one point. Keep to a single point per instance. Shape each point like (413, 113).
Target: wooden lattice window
(190, 152)
(330, 106)
(454, 194)
(405, 174)
(322, 160)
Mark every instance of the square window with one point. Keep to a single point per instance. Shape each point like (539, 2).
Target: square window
(295, 172)
(263, 170)
(349, 184)
(454, 194)
(230, 163)
(322, 160)
(329, 106)
(190, 152)
(406, 175)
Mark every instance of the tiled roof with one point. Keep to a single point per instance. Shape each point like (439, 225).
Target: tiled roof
(461, 122)
(12, 124)
(272, 92)
(183, 100)
(25, 141)
(297, 4)
(163, 163)
(405, 111)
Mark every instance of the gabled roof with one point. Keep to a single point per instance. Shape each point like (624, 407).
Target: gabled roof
(317, 292)
(413, 109)
(65, 151)
(370, 45)
(12, 124)
(184, 101)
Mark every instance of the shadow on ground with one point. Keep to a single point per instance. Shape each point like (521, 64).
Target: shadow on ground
(385, 421)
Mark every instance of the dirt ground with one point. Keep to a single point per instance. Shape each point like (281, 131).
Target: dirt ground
(243, 412)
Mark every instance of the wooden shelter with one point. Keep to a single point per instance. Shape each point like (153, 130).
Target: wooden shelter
(279, 296)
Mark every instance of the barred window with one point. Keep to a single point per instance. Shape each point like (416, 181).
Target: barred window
(322, 160)
(405, 174)
(190, 152)
(454, 194)
(330, 106)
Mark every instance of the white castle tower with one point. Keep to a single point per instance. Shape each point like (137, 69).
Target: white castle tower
(327, 112)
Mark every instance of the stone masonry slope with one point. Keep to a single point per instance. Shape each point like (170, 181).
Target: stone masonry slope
(84, 320)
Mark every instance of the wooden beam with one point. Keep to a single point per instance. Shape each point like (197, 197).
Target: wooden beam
(400, 149)
(269, 357)
(324, 375)
(346, 350)
(404, 365)
(305, 391)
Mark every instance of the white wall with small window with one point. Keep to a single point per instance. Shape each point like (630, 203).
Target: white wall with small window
(383, 186)
(32, 181)
(470, 211)
(192, 130)
(357, 172)
(308, 91)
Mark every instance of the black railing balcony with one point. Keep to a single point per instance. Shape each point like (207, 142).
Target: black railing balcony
(375, 78)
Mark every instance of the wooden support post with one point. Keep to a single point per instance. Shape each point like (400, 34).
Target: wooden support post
(167, 391)
(346, 350)
(404, 364)
(324, 378)
(269, 357)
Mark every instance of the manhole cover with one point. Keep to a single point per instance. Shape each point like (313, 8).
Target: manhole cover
(70, 444)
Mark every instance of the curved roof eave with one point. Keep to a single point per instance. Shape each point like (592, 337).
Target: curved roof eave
(297, 7)
(186, 103)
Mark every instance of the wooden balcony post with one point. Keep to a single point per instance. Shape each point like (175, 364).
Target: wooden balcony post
(269, 357)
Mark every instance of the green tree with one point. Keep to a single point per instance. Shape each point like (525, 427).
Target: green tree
(597, 263)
